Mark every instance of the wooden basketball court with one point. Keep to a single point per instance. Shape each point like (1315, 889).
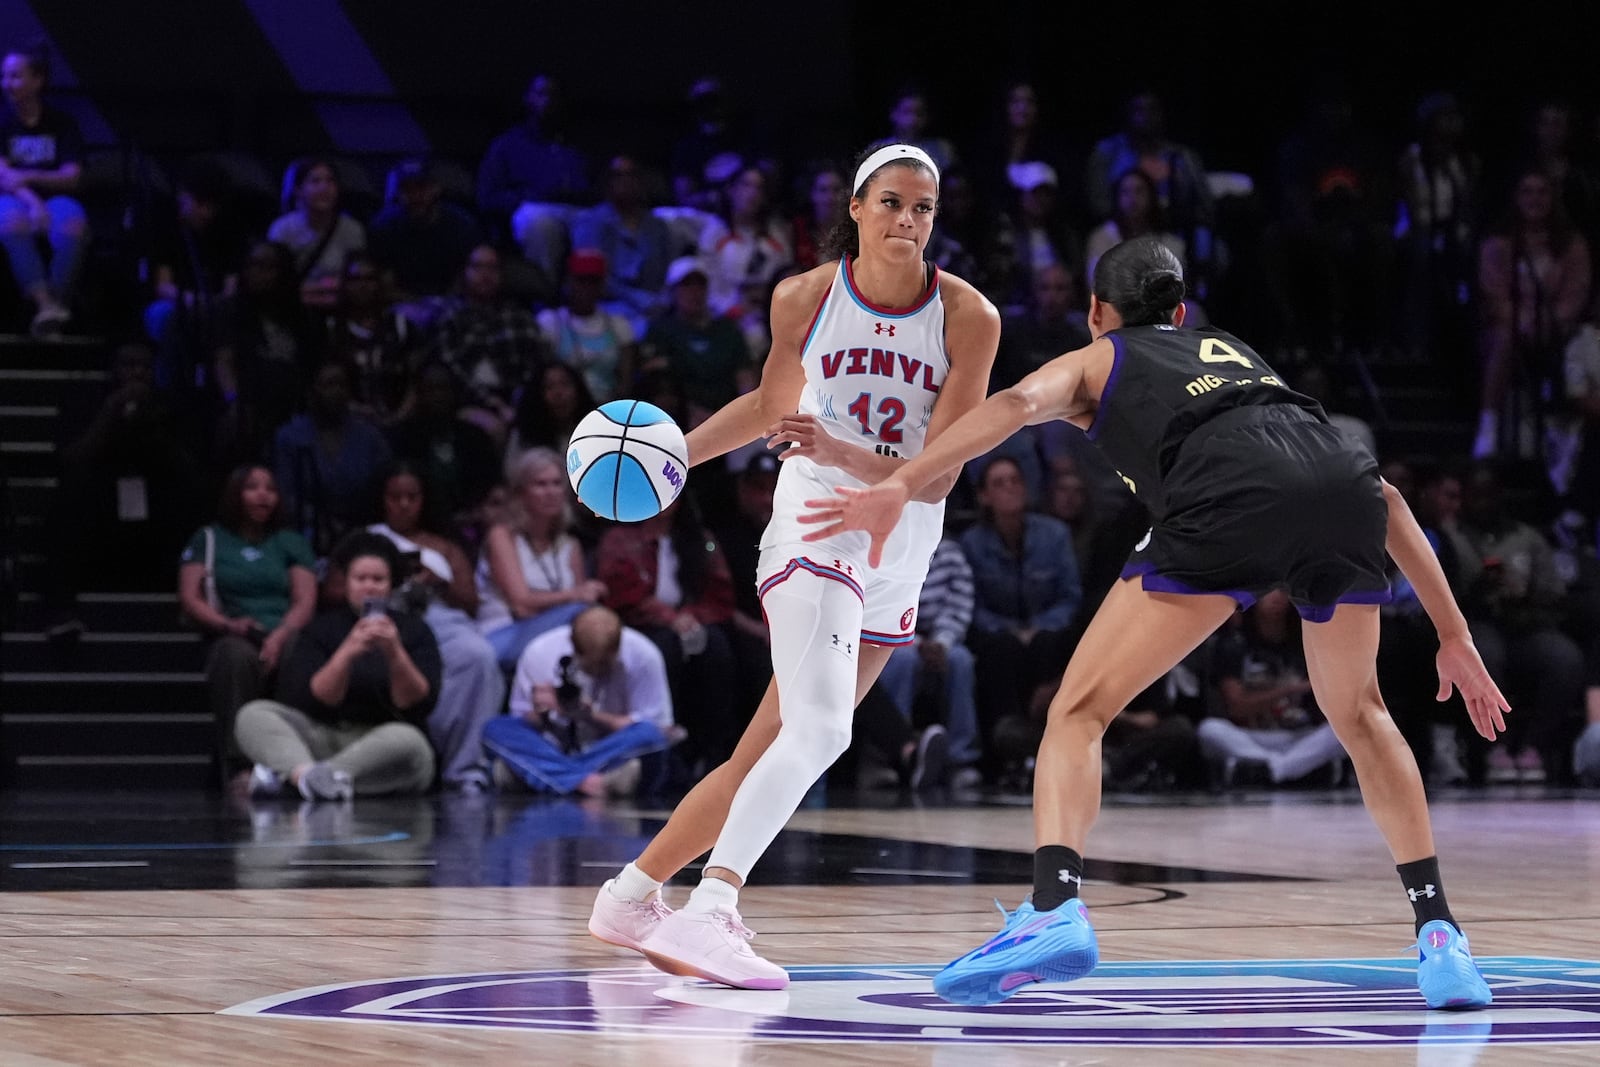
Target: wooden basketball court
(134, 931)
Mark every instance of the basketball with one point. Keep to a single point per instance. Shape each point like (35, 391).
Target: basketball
(627, 460)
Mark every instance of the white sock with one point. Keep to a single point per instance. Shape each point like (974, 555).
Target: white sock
(713, 894)
(634, 884)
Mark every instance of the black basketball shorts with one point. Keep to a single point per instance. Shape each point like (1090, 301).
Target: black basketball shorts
(1264, 498)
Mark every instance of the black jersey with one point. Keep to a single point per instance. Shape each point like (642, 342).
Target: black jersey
(1165, 382)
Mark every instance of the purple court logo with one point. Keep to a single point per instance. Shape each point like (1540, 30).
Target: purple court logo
(1195, 1004)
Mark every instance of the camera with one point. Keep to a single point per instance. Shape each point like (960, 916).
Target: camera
(568, 693)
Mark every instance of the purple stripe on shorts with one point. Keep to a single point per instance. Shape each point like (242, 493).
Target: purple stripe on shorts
(1160, 583)
(1324, 612)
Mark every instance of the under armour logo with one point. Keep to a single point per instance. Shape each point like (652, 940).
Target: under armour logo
(840, 565)
(879, 327)
(1069, 878)
(847, 646)
(1418, 894)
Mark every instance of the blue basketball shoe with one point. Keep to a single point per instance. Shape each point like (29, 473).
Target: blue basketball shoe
(1447, 974)
(1033, 946)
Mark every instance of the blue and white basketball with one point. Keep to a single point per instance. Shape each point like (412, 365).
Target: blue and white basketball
(627, 460)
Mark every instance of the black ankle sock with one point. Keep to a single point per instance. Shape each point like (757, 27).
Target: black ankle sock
(1426, 890)
(1057, 876)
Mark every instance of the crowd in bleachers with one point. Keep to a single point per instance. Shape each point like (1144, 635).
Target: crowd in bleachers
(447, 334)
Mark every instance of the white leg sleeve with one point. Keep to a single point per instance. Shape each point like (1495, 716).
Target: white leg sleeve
(816, 643)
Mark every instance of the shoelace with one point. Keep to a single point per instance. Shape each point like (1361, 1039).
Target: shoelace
(734, 925)
(656, 908)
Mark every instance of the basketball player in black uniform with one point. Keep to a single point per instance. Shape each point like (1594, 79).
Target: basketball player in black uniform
(1249, 489)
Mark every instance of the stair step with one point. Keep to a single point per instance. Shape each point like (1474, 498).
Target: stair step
(35, 388)
(111, 692)
(176, 771)
(32, 495)
(151, 612)
(69, 352)
(100, 652)
(28, 459)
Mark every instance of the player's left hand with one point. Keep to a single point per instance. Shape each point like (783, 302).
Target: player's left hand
(875, 510)
(800, 435)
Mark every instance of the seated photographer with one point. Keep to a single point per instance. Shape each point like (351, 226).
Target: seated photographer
(355, 692)
(588, 700)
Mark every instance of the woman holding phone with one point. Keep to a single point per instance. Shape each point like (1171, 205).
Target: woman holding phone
(357, 688)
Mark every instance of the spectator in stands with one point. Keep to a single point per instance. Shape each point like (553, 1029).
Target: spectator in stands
(1534, 288)
(636, 245)
(314, 229)
(1270, 727)
(1328, 248)
(1176, 168)
(588, 700)
(356, 691)
(712, 133)
(532, 179)
(1440, 183)
(490, 343)
(41, 169)
(551, 408)
(827, 204)
(582, 333)
(1014, 135)
(668, 578)
(703, 351)
(366, 332)
(436, 578)
(126, 484)
(937, 668)
(1135, 212)
(1041, 233)
(193, 263)
(532, 575)
(422, 239)
(459, 461)
(1049, 323)
(328, 461)
(747, 246)
(1028, 593)
(248, 583)
(267, 346)
(738, 530)
(1515, 600)
(909, 124)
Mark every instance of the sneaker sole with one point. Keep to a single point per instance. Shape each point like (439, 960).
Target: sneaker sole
(601, 932)
(977, 988)
(688, 970)
(1462, 992)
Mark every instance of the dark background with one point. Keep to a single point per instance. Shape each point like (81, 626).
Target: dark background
(812, 78)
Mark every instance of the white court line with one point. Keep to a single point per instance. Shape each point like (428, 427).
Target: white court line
(909, 871)
(364, 863)
(76, 866)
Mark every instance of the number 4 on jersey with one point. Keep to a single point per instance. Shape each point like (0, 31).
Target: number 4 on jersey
(1215, 351)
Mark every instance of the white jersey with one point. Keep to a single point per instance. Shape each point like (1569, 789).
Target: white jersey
(872, 376)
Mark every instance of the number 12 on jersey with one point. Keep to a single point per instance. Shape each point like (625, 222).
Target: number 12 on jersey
(891, 408)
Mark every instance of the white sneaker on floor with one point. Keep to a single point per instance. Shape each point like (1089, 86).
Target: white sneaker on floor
(265, 782)
(714, 945)
(322, 781)
(625, 923)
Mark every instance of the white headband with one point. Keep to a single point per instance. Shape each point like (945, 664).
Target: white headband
(889, 153)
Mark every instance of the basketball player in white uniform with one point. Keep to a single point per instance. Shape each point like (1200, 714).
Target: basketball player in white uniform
(873, 354)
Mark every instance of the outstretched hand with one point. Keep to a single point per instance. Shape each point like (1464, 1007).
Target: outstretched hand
(874, 510)
(1461, 668)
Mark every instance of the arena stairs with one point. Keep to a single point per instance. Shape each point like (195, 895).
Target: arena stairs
(122, 705)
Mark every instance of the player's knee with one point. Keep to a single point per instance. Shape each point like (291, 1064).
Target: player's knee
(1091, 703)
(822, 739)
